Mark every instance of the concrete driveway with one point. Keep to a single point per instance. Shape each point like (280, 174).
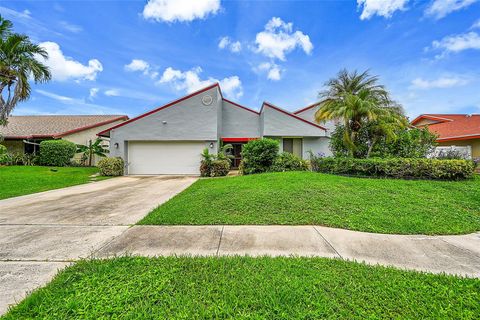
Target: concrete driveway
(44, 232)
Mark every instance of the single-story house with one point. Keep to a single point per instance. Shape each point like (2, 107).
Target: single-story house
(22, 134)
(170, 139)
(458, 130)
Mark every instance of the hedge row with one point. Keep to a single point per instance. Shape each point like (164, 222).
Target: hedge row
(56, 152)
(111, 166)
(397, 167)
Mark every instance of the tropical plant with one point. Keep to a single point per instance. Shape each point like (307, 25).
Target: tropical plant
(90, 150)
(225, 153)
(19, 62)
(258, 156)
(359, 100)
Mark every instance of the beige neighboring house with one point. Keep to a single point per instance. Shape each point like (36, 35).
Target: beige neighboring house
(24, 133)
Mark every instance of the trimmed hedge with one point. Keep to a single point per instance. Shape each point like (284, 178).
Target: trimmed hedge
(214, 168)
(56, 152)
(289, 162)
(397, 167)
(111, 166)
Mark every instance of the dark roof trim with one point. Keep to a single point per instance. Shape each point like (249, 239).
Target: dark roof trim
(66, 133)
(291, 115)
(429, 117)
(240, 106)
(307, 108)
(103, 133)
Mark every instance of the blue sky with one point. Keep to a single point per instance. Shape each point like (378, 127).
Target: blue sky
(127, 57)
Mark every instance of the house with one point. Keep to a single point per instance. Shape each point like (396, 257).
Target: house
(459, 130)
(23, 134)
(170, 139)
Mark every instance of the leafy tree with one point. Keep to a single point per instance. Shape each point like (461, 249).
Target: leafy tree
(359, 100)
(408, 143)
(92, 149)
(18, 63)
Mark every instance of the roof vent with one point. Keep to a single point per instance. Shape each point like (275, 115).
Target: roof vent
(469, 115)
(207, 100)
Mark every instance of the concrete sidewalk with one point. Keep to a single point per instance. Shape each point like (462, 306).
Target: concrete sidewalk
(458, 255)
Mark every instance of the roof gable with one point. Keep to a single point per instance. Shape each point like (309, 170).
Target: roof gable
(452, 126)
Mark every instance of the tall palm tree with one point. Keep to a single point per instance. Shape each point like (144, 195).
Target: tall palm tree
(358, 99)
(18, 62)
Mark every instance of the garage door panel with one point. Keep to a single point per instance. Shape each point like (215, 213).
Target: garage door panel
(162, 157)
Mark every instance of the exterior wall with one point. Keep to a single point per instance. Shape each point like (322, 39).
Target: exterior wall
(309, 115)
(14, 146)
(83, 137)
(316, 145)
(277, 123)
(238, 122)
(474, 143)
(188, 120)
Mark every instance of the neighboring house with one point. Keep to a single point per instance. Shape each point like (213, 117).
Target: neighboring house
(170, 139)
(460, 130)
(24, 133)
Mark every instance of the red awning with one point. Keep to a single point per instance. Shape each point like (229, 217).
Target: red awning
(237, 139)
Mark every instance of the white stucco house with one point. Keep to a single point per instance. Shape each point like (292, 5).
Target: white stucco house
(170, 139)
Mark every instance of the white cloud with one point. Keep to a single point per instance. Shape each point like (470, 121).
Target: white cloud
(74, 105)
(384, 8)
(65, 68)
(54, 96)
(137, 65)
(179, 10)
(70, 27)
(227, 43)
(93, 93)
(273, 71)
(278, 39)
(190, 81)
(440, 83)
(441, 8)
(457, 43)
(112, 92)
(476, 25)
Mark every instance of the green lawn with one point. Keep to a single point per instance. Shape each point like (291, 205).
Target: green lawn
(248, 288)
(21, 180)
(305, 198)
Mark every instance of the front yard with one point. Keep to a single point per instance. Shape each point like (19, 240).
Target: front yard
(247, 288)
(305, 198)
(21, 180)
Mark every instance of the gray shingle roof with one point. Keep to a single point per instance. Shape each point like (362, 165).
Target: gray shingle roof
(53, 126)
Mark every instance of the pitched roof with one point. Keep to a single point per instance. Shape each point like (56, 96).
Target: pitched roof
(452, 126)
(291, 115)
(53, 126)
(174, 102)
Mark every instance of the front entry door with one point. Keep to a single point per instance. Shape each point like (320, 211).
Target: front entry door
(237, 154)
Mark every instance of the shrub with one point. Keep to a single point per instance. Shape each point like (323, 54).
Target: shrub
(214, 165)
(397, 167)
(220, 168)
(56, 152)
(289, 162)
(258, 156)
(3, 154)
(111, 166)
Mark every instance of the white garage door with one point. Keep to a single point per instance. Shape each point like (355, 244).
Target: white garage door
(161, 157)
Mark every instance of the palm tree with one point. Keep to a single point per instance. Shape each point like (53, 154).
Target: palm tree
(358, 99)
(92, 149)
(18, 62)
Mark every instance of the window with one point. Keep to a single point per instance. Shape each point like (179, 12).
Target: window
(293, 145)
